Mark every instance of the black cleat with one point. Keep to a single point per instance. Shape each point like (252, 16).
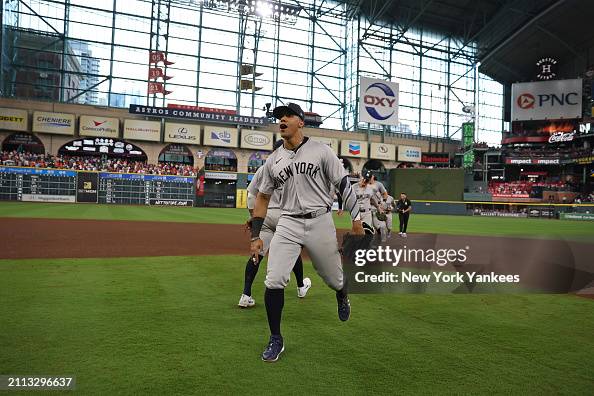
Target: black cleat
(275, 347)
(344, 307)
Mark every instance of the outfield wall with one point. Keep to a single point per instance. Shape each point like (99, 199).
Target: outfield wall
(505, 209)
(438, 184)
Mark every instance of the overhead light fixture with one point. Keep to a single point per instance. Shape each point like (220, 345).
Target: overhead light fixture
(266, 9)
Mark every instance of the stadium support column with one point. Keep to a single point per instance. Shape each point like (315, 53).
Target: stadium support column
(312, 47)
(2, 82)
(64, 48)
(113, 30)
(166, 35)
(420, 81)
(198, 52)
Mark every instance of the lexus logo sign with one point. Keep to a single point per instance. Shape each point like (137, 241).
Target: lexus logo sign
(526, 101)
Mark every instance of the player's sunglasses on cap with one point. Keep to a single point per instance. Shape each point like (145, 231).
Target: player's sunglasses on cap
(289, 109)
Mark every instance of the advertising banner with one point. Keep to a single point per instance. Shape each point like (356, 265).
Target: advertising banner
(532, 161)
(86, 187)
(545, 100)
(577, 216)
(220, 176)
(331, 142)
(409, 154)
(241, 198)
(142, 130)
(55, 123)
(218, 118)
(116, 147)
(382, 151)
(182, 133)
(353, 148)
(220, 136)
(98, 126)
(378, 101)
(48, 198)
(435, 158)
(258, 140)
(23, 141)
(13, 119)
(467, 134)
(170, 202)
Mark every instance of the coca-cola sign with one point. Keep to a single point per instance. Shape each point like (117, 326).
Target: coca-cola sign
(558, 137)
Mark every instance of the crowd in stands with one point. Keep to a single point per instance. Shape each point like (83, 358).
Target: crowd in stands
(584, 198)
(92, 163)
(478, 145)
(527, 189)
(555, 152)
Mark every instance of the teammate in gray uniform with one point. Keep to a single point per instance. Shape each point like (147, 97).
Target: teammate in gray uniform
(379, 191)
(387, 205)
(364, 193)
(306, 169)
(268, 228)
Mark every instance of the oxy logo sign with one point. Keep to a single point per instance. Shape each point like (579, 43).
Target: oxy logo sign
(378, 102)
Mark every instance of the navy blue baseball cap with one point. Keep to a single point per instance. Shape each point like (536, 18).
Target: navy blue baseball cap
(367, 175)
(290, 108)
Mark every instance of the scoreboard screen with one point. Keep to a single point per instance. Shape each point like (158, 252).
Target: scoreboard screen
(138, 189)
(40, 185)
(53, 185)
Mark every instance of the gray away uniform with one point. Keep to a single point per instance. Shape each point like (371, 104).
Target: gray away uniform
(387, 206)
(306, 176)
(364, 195)
(273, 213)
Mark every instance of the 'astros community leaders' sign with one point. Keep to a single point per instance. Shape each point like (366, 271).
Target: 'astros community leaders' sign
(234, 119)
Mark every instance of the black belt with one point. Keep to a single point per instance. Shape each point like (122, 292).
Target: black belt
(311, 215)
(363, 210)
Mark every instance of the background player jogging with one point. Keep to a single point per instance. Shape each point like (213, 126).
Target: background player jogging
(251, 267)
(306, 170)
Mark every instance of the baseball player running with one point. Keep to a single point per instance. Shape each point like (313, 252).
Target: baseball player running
(306, 169)
(387, 205)
(364, 192)
(273, 213)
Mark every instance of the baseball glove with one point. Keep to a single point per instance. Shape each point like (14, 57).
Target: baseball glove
(351, 243)
(381, 216)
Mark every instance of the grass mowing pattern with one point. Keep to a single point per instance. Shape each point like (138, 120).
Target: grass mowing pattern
(167, 325)
(457, 225)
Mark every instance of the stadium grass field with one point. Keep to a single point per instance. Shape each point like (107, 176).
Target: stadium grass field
(439, 224)
(168, 325)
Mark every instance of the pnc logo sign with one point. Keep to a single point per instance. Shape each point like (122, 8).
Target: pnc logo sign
(380, 101)
(526, 101)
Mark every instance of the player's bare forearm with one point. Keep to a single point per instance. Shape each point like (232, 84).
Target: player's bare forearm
(261, 206)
